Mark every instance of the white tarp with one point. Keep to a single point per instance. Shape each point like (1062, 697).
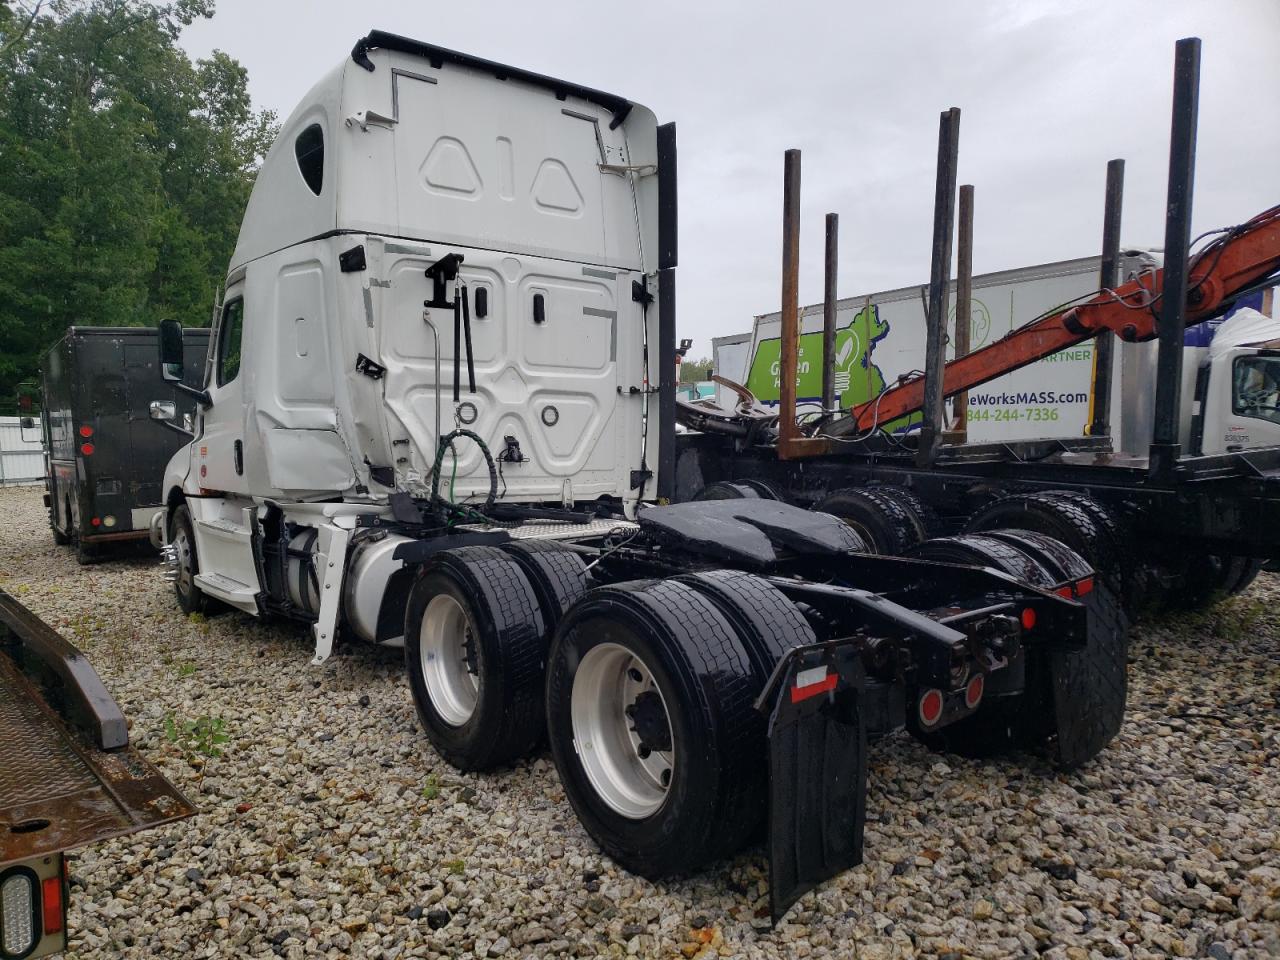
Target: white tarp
(1244, 328)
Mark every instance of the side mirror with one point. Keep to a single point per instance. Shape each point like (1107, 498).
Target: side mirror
(27, 423)
(170, 353)
(163, 409)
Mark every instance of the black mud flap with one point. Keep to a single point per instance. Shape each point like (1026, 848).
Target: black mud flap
(817, 770)
(1090, 685)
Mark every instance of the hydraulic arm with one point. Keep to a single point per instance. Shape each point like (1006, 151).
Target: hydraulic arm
(1224, 269)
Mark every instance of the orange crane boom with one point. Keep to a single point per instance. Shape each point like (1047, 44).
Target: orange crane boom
(1242, 257)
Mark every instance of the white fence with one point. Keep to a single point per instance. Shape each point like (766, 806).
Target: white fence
(21, 452)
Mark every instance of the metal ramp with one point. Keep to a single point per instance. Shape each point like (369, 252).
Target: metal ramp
(68, 776)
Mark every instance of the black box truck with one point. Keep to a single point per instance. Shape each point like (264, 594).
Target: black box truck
(105, 454)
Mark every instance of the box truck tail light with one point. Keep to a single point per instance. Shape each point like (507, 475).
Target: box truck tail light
(86, 431)
(86, 449)
(1027, 618)
(52, 905)
(96, 521)
(18, 914)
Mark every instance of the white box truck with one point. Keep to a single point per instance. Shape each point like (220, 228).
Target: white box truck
(881, 337)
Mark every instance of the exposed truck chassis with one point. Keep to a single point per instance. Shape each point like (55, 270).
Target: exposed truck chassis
(1167, 531)
(721, 665)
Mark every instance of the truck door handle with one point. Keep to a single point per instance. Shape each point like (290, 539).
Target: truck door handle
(238, 454)
(539, 309)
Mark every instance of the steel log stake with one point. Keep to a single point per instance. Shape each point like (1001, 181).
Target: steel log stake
(959, 432)
(829, 314)
(1165, 447)
(1108, 277)
(944, 212)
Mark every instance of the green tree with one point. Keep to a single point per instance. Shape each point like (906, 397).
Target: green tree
(691, 371)
(126, 170)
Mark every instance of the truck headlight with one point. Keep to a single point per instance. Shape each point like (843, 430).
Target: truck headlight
(17, 914)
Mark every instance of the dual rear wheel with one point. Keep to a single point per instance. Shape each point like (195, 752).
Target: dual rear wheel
(645, 690)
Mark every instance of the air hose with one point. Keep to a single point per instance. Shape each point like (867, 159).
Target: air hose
(446, 442)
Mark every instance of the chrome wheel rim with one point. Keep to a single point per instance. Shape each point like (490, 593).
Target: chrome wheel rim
(186, 573)
(446, 659)
(622, 731)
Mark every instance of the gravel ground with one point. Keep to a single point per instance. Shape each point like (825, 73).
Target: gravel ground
(328, 827)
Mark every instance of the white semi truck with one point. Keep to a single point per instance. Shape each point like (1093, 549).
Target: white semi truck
(881, 337)
(430, 418)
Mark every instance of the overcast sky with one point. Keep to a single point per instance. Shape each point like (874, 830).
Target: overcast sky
(1048, 92)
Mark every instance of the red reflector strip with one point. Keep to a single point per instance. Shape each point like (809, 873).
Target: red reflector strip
(1081, 588)
(52, 905)
(812, 683)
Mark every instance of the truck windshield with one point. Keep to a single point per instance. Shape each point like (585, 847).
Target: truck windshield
(1255, 387)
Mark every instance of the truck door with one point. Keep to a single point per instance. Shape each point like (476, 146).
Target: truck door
(1242, 409)
(219, 460)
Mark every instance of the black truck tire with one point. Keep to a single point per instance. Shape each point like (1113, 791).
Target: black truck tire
(1054, 555)
(190, 597)
(1066, 519)
(86, 554)
(1003, 723)
(883, 522)
(767, 623)
(764, 489)
(1248, 573)
(1208, 579)
(60, 538)
(925, 516)
(729, 490)
(983, 550)
(650, 672)
(557, 574)
(474, 648)
(1073, 701)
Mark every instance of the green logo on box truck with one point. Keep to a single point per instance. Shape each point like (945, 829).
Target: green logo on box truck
(857, 379)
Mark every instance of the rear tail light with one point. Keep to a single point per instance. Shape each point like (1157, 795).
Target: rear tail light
(108, 521)
(18, 914)
(96, 521)
(973, 692)
(86, 449)
(930, 707)
(52, 905)
(86, 430)
(1027, 618)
